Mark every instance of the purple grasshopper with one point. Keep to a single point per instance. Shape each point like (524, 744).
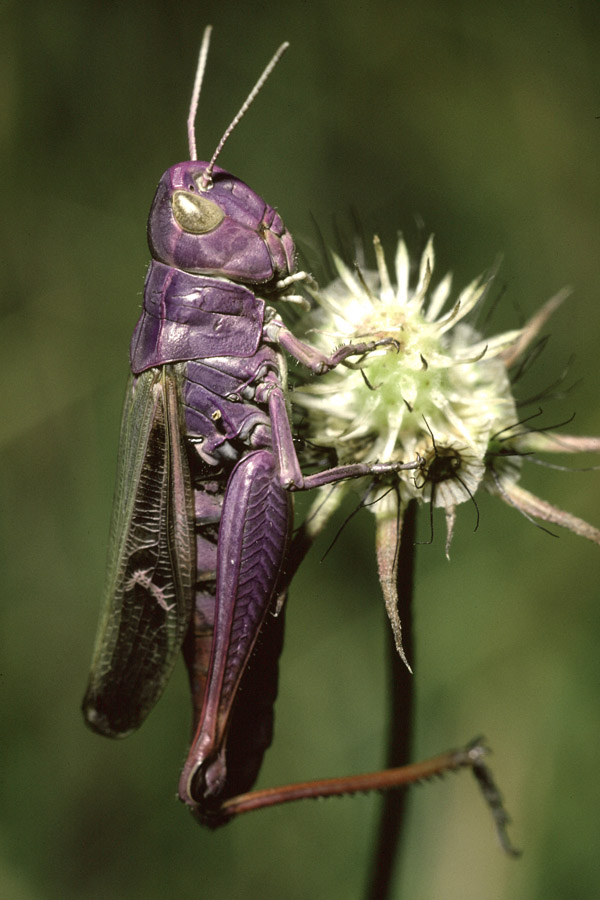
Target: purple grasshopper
(202, 511)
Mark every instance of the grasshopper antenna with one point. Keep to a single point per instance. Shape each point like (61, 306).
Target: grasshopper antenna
(206, 181)
(196, 92)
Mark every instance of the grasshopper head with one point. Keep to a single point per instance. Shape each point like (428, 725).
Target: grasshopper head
(224, 229)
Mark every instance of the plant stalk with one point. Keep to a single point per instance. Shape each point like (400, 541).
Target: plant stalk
(390, 829)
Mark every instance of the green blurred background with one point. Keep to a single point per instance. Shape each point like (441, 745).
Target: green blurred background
(481, 119)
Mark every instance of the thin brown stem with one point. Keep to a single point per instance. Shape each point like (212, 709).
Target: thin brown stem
(393, 809)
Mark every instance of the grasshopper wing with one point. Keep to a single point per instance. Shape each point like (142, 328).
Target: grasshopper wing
(149, 588)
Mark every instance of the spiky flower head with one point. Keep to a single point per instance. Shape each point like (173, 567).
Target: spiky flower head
(435, 393)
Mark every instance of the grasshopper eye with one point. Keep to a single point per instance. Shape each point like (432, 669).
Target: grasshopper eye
(195, 214)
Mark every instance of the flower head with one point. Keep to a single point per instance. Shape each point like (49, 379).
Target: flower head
(437, 393)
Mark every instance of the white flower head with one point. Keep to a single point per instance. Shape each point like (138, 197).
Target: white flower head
(434, 392)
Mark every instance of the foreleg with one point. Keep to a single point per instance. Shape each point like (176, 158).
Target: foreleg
(320, 363)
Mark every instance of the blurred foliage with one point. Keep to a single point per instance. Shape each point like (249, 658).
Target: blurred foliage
(481, 120)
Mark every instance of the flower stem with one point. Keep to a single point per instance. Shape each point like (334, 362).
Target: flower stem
(393, 810)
